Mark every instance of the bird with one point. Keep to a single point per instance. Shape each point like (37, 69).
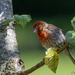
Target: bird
(51, 36)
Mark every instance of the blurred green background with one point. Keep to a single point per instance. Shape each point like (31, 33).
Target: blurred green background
(57, 12)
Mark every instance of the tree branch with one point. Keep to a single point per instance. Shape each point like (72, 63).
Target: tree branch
(40, 64)
(35, 67)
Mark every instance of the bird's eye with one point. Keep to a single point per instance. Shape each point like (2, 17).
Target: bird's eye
(37, 26)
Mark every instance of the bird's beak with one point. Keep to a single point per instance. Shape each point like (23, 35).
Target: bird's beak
(35, 30)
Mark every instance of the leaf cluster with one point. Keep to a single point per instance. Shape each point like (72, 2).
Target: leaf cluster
(70, 35)
(21, 20)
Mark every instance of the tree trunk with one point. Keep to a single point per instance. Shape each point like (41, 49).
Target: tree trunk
(10, 61)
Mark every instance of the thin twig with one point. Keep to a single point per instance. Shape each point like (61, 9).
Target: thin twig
(35, 67)
(40, 64)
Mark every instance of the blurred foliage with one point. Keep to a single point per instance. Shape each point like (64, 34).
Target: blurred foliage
(73, 23)
(70, 35)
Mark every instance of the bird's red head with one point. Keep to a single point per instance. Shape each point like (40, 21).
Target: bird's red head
(39, 26)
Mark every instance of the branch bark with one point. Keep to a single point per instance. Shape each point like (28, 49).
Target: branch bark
(10, 61)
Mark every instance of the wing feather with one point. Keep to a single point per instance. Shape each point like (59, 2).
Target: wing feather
(57, 36)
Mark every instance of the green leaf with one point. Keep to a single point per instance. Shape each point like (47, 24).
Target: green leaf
(73, 22)
(22, 19)
(51, 59)
(7, 21)
(26, 17)
(17, 18)
(70, 35)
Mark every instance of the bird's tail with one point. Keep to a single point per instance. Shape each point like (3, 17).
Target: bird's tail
(67, 52)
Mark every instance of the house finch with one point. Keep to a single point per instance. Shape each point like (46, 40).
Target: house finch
(51, 36)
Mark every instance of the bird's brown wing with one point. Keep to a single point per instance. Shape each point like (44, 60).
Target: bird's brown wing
(57, 36)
